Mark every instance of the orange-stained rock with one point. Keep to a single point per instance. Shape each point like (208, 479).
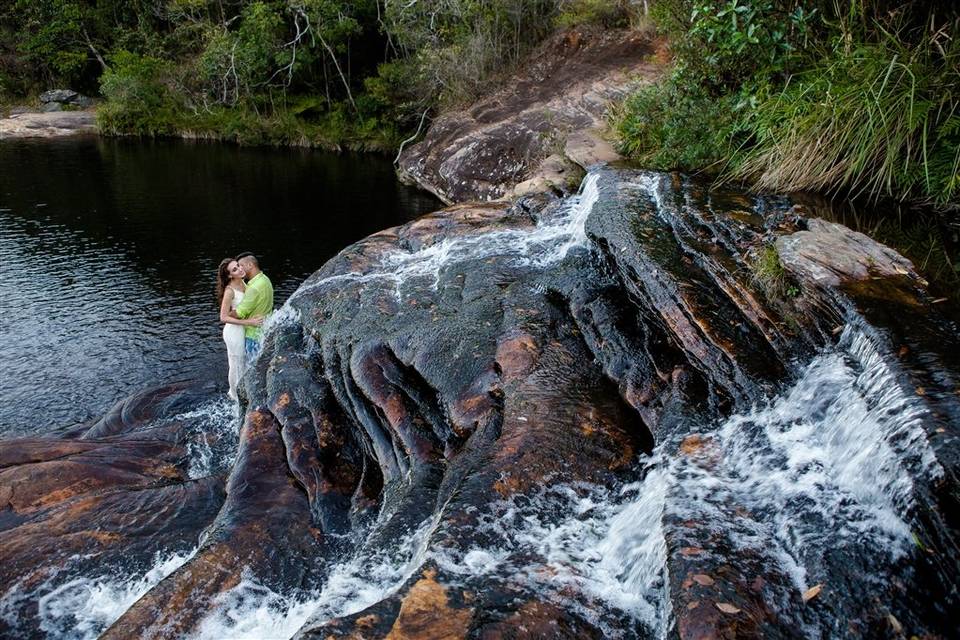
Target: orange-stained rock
(425, 615)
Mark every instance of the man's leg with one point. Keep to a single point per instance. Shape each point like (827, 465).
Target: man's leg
(252, 347)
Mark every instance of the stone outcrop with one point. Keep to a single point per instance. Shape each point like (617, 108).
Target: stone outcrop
(468, 404)
(65, 97)
(47, 125)
(830, 254)
(558, 101)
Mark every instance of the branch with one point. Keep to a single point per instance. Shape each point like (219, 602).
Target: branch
(346, 85)
(93, 49)
(413, 137)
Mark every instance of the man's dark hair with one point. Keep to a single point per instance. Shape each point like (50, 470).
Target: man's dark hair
(248, 254)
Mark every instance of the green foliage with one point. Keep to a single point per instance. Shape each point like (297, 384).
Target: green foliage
(362, 73)
(768, 274)
(902, 101)
(606, 13)
(666, 127)
(138, 100)
(792, 95)
(459, 46)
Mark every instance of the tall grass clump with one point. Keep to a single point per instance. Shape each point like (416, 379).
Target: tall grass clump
(838, 96)
(877, 118)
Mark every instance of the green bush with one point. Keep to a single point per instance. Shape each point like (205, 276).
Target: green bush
(668, 127)
(606, 13)
(859, 97)
(138, 100)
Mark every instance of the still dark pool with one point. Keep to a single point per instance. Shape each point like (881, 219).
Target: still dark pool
(108, 250)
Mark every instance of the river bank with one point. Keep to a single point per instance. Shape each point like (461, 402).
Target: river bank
(23, 124)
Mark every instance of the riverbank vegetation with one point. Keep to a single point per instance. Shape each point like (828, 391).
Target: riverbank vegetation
(840, 96)
(358, 73)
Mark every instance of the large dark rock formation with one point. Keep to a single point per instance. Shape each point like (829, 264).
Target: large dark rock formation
(562, 425)
(538, 124)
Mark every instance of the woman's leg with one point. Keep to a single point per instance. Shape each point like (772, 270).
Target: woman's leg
(233, 375)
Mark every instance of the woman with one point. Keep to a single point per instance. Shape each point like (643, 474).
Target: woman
(230, 289)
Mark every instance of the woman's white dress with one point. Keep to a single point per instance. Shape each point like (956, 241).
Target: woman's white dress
(234, 338)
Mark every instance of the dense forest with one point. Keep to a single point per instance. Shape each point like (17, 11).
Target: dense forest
(829, 95)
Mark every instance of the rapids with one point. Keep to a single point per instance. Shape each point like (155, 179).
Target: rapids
(561, 418)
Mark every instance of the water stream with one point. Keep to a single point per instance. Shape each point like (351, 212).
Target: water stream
(821, 472)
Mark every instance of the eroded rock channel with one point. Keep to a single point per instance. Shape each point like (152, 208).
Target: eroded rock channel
(558, 418)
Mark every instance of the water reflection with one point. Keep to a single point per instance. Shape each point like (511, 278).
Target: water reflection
(107, 250)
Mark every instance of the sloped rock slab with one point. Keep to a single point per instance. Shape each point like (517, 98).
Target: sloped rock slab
(568, 418)
(482, 152)
(48, 125)
(830, 254)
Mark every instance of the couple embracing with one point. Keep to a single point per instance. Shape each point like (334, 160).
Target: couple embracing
(245, 294)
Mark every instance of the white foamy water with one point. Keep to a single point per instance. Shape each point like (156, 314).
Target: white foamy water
(595, 550)
(827, 466)
(251, 611)
(213, 432)
(549, 242)
(83, 607)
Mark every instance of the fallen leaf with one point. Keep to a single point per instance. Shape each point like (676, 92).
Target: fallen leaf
(727, 608)
(921, 391)
(837, 329)
(703, 580)
(693, 605)
(690, 551)
(812, 592)
(903, 351)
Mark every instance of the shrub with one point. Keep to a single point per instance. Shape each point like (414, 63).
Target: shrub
(606, 13)
(669, 127)
(138, 99)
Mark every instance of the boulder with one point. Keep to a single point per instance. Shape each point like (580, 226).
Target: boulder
(62, 96)
(565, 87)
(830, 254)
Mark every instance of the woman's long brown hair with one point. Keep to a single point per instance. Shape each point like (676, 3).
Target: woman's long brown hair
(223, 278)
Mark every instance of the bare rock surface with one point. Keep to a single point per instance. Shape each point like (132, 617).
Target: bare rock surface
(831, 254)
(47, 125)
(566, 87)
(558, 418)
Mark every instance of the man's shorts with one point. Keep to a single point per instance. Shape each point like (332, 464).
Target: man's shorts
(251, 347)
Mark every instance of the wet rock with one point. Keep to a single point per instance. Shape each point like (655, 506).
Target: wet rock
(502, 140)
(545, 419)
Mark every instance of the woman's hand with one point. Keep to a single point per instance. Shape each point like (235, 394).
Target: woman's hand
(256, 321)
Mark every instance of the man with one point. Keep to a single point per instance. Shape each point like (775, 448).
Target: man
(257, 301)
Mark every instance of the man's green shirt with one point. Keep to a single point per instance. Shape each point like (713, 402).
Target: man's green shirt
(257, 301)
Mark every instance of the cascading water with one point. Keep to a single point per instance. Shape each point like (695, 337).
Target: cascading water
(79, 600)
(577, 336)
(832, 456)
(548, 242)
